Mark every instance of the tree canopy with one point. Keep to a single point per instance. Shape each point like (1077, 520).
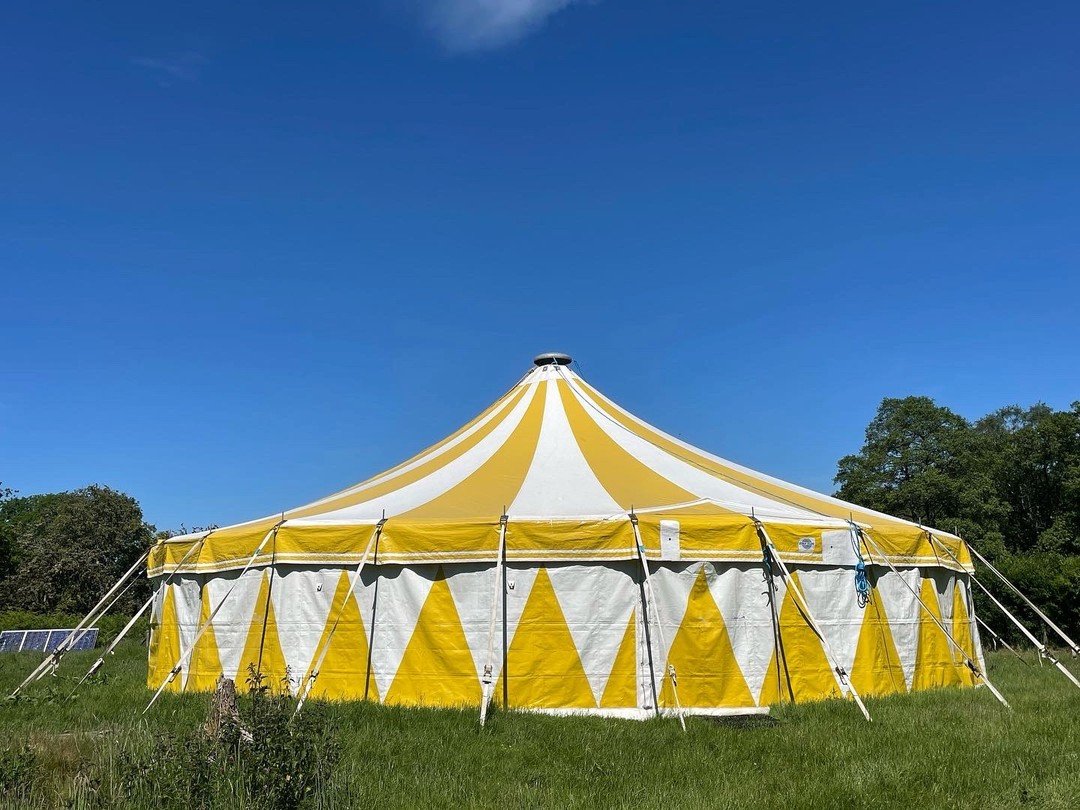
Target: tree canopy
(1009, 483)
(61, 552)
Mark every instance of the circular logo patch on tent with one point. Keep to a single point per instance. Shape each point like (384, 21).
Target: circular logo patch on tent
(807, 543)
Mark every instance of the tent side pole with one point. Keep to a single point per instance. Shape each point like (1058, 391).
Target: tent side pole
(305, 689)
(1044, 651)
(488, 679)
(1073, 647)
(971, 663)
(53, 659)
(266, 609)
(209, 619)
(650, 598)
(804, 608)
(774, 615)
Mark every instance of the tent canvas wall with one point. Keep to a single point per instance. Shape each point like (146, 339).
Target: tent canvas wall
(574, 494)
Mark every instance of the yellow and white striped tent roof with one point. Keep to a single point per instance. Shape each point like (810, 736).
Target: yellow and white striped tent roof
(567, 467)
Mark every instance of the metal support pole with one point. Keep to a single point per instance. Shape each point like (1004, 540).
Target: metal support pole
(497, 596)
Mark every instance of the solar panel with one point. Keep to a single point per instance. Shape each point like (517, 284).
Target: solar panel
(46, 640)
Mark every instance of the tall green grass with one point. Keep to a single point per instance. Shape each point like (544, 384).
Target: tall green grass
(948, 748)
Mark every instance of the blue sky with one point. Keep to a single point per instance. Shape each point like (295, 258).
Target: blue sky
(251, 255)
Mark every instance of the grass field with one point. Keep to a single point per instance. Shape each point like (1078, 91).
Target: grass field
(949, 748)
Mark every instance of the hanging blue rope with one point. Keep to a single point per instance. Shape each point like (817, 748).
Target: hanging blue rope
(862, 583)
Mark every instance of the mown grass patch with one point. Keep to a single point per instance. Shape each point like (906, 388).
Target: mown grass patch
(948, 748)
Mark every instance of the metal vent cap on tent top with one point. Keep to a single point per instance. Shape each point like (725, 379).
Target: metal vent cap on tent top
(553, 358)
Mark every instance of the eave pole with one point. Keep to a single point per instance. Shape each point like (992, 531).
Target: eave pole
(305, 688)
(497, 596)
(650, 602)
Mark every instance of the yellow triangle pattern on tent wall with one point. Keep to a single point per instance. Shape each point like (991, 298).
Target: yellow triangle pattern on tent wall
(204, 668)
(437, 668)
(961, 631)
(935, 661)
(271, 664)
(344, 668)
(164, 645)
(543, 667)
(621, 689)
(877, 669)
(804, 669)
(707, 673)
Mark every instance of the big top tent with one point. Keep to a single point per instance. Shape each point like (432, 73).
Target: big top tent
(559, 554)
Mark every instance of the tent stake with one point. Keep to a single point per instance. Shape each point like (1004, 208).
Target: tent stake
(650, 599)
(971, 663)
(305, 689)
(488, 680)
(804, 608)
(209, 619)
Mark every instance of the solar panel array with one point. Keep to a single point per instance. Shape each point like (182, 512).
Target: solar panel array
(46, 640)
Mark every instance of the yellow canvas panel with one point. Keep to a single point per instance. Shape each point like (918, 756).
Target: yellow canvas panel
(621, 689)
(877, 669)
(961, 631)
(494, 486)
(437, 668)
(935, 663)
(804, 670)
(262, 649)
(204, 668)
(421, 471)
(344, 673)
(543, 668)
(610, 536)
(164, 645)
(629, 482)
(409, 537)
(708, 674)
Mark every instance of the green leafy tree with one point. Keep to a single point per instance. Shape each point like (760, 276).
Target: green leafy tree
(67, 549)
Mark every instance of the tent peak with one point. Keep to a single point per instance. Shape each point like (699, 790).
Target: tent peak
(553, 358)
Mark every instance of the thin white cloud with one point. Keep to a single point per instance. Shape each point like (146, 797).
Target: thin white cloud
(480, 25)
(184, 67)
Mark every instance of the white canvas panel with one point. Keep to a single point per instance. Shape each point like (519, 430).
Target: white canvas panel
(903, 611)
(596, 601)
(187, 597)
(742, 594)
(834, 603)
(473, 588)
(560, 482)
(671, 584)
(401, 596)
(302, 598)
(233, 621)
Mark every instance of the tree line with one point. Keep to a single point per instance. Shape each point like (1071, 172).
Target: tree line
(1009, 483)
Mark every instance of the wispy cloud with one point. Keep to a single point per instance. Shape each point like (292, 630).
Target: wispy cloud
(183, 67)
(479, 25)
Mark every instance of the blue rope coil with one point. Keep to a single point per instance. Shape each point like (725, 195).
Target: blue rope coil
(862, 584)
